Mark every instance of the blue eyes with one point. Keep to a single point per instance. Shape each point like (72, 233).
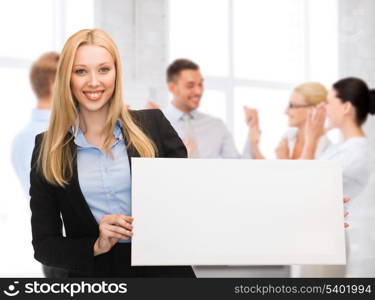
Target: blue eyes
(84, 71)
(104, 70)
(80, 71)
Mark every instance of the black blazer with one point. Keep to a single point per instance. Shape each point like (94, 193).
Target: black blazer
(50, 203)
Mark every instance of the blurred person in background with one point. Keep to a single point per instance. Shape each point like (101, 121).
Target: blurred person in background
(350, 101)
(204, 136)
(42, 78)
(303, 99)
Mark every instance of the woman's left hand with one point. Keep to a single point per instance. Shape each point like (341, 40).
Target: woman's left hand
(112, 228)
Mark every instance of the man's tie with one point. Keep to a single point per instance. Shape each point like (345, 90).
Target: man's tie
(190, 138)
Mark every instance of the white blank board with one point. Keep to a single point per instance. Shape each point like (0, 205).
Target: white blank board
(237, 212)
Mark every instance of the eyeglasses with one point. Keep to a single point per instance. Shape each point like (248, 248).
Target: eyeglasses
(292, 105)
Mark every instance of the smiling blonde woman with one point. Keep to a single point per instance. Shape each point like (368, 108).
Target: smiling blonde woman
(81, 167)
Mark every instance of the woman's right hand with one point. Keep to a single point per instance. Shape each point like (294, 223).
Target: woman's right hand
(112, 228)
(252, 120)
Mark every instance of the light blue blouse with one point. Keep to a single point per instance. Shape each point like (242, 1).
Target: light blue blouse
(104, 180)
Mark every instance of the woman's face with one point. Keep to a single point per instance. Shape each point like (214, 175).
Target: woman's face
(297, 115)
(93, 78)
(335, 110)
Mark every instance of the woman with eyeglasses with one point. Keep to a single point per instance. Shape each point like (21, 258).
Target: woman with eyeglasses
(303, 98)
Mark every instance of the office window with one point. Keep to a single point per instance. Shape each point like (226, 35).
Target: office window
(269, 40)
(214, 104)
(26, 27)
(79, 15)
(253, 53)
(199, 30)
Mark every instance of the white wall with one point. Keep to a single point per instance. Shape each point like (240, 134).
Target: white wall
(357, 58)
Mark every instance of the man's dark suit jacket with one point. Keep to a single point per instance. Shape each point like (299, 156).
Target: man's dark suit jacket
(74, 252)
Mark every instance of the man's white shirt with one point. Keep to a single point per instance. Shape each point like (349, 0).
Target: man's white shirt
(212, 137)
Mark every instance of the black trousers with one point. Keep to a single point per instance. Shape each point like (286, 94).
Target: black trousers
(52, 272)
(116, 263)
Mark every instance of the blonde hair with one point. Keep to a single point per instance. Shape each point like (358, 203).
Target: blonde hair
(313, 92)
(56, 157)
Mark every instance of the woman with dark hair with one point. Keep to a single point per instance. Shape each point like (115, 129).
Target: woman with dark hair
(349, 103)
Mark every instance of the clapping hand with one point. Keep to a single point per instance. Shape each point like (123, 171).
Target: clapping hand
(252, 120)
